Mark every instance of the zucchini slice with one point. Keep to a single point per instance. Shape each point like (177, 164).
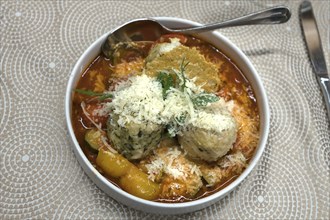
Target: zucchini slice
(93, 138)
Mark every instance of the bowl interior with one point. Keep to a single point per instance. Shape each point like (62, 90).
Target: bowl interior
(239, 59)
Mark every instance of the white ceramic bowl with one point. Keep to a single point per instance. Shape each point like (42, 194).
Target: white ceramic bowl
(241, 61)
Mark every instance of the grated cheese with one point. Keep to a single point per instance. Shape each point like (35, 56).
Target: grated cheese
(237, 158)
(176, 172)
(103, 111)
(139, 99)
(173, 153)
(138, 103)
(176, 103)
(154, 168)
(173, 163)
(210, 121)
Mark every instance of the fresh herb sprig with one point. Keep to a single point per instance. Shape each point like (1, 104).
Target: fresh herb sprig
(202, 99)
(181, 74)
(178, 79)
(101, 96)
(166, 80)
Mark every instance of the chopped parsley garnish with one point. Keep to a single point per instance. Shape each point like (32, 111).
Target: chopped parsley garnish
(203, 99)
(167, 81)
(181, 74)
(177, 79)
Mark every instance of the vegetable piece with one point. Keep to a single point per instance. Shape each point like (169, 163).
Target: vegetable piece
(113, 164)
(118, 52)
(181, 75)
(203, 99)
(88, 92)
(93, 138)
(102, 96)
(105, 96)
(167, 81)
(137, 183)
(131, 179)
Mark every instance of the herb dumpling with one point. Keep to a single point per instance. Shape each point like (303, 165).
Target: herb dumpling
(211, 133)
(134, 125)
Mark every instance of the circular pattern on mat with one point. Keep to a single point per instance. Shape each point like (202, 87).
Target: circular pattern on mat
(318, 154)
(287, 36)
(63, 5)
(43, 70)
(25, 23)
(90, 202)
(292, 121)
(37, 165)
(265, 196)
(216, 11)
(80, 26)
(319, 145)
(321, 11)
(77, 34)
(5, 105)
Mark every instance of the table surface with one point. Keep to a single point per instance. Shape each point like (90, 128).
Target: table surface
(40, 175)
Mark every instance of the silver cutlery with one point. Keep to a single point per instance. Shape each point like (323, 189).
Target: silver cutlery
(314, 48)
(147, 29)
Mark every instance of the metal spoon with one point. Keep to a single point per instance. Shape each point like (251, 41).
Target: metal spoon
(149, 29)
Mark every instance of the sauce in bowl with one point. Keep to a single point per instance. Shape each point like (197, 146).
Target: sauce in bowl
(169, 161)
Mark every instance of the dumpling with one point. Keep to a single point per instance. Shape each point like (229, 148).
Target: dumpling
(134, 140)
(211, 134)
(135, 125)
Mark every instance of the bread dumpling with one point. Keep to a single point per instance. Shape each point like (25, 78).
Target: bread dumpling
(211, 134)
(134, 140)
(135, 126)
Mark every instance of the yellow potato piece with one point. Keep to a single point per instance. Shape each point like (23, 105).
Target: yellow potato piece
(131, 179)
(137, 183)
(113, 164)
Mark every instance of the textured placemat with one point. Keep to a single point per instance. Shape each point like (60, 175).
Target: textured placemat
(40, 176)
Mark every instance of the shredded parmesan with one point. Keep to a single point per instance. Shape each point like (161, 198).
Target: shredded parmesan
(234, 159)
(139, 99)
(154, 168)
(103, 111)
(173, 163)
(209, 121)
(173, 153)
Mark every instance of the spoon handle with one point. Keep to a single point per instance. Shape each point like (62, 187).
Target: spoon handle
(274, 15)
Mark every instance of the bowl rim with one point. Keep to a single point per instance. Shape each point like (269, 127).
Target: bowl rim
(166, 208)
